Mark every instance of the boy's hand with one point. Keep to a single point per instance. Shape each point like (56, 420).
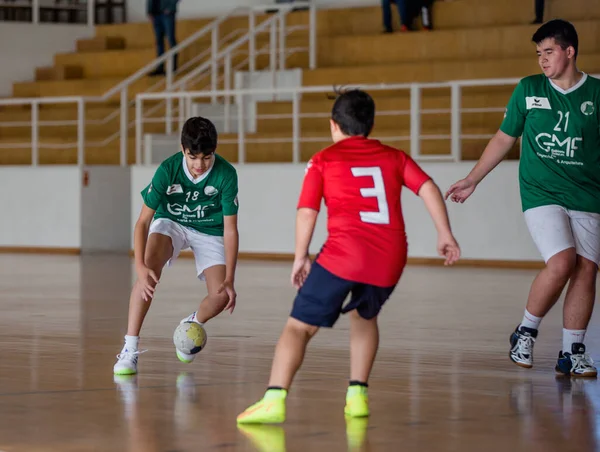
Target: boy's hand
(227, 286)
(146, 277)
(461, 190)
(448, 248)
(300, 271)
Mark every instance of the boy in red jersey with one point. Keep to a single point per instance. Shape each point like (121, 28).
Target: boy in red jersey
(365, 253)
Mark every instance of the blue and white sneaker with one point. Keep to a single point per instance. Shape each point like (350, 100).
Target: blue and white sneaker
(577, 363)
(521, 346)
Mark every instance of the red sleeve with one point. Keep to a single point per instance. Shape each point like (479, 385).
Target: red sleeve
(413, 176)
(312, 187)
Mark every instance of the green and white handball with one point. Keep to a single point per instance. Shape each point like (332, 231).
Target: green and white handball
(189, 337)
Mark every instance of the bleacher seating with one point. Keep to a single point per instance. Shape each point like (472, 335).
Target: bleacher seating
(472, 40)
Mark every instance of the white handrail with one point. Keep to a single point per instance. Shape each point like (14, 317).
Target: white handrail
(122, 88)
(456, 111)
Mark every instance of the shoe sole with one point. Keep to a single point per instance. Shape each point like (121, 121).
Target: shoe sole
(571, 374)
(562, 374)
(125, 372)
(523, 365)
(183, 360)
(349, 415)
(268, 421)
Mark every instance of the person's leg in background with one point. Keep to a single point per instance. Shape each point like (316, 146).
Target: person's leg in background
(406, 11)
(159, 33)
(386, 10)
(539, 12)
(426, 14)
(169, 24)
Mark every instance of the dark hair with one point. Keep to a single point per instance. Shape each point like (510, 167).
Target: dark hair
(199, 136)
(563, 32)
(354, 112)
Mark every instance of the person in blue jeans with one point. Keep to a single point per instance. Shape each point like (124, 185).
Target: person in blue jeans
(409, 10)
(405, 16)
(162, 15)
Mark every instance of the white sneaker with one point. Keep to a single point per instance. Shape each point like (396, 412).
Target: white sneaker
(184, 357)
(190, 318)
(127, 362)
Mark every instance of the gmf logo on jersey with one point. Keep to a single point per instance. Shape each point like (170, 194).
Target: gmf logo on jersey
(556, 147)
(587, 108)
(175, 188)
(179, 210)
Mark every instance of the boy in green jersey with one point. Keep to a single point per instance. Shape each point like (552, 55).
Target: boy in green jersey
(190, 203)
(557, 116)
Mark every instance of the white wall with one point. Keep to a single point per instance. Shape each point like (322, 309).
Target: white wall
(49, 207)
(489, 226)
(40, 207)
(23, 47)
(189, 9)
(106, 209)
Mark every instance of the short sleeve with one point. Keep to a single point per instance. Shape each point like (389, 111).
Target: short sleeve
(229, 196)
(154, 193)
(413, 175)
(312, 186)
(514, 117)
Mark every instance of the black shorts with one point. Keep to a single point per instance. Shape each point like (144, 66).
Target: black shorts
(320, 300)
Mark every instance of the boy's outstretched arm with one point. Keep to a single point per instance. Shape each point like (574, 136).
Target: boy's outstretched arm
(447, 245)
(306, 219)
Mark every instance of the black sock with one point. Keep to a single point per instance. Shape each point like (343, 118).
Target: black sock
(358, 383)
(278, 388)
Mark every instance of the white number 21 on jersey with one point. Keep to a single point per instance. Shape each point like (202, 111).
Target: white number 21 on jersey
(377, 191)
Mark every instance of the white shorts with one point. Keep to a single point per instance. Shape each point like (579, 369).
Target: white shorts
(555, 229)
(209, 250)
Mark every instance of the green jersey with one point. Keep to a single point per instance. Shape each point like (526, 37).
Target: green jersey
(197, 203)
(560, 156)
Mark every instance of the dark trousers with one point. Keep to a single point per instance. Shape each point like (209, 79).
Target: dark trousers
(539, 10)
(409, 10)
(426, 17)
(164, 25)
(405, 16)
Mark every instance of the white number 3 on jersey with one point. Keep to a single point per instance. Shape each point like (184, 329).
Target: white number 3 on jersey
(377, 191)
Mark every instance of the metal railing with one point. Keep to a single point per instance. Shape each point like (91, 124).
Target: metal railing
(208, 65)
(244, 96)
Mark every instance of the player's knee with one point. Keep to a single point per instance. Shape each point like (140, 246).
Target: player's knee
(154, 263)
(562, 264)
(586, 268)
(221, 298)
(301, 328)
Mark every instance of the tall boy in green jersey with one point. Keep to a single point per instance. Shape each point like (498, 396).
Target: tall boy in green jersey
(557, 115)
(190, 203)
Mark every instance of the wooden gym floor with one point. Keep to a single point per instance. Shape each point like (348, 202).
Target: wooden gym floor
(442, 382)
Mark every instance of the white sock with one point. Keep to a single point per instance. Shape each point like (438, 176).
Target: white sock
(195, 319)
(571, 337)
(131, 342)
(531, 321)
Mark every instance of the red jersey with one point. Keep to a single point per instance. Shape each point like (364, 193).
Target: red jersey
(361, 180)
